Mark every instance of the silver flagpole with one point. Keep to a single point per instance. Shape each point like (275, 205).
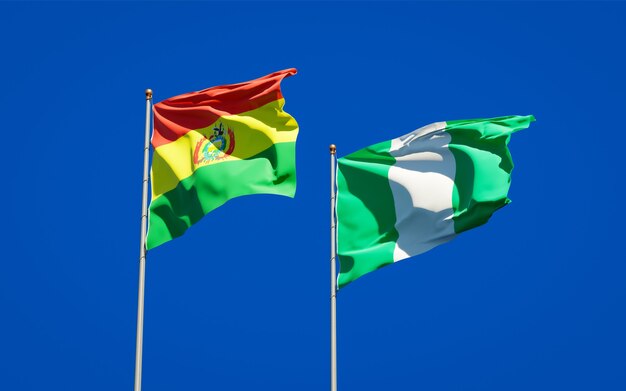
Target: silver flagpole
(333, 274)
(142, 249)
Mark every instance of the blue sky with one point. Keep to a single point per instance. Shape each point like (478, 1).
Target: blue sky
(532, 300)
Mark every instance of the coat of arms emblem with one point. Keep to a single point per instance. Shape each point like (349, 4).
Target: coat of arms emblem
(217, 146)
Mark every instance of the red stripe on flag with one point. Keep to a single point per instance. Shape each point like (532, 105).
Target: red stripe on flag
(175, 117)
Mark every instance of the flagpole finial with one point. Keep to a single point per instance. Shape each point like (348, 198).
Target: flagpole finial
(148, 94)
(333, 149)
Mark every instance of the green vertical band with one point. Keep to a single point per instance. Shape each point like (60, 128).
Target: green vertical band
(366, 214)
(483, 167)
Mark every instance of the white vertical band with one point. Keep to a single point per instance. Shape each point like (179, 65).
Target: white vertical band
(422, 182)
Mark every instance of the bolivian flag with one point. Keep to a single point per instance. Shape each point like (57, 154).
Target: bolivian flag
(217, 144)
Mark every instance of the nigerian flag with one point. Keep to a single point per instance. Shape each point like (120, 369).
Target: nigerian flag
(400, 198)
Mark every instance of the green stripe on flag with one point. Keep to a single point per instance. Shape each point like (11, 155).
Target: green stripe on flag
(369, 237)
(272, 171)
(483, 167)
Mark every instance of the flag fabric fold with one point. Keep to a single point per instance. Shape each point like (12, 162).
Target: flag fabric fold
(217, 144)
(402, 197)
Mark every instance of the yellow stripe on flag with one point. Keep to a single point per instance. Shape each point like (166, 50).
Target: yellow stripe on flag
(253, 132)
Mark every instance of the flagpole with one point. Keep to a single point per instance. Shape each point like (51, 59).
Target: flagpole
(333, 273)
(142, 248)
